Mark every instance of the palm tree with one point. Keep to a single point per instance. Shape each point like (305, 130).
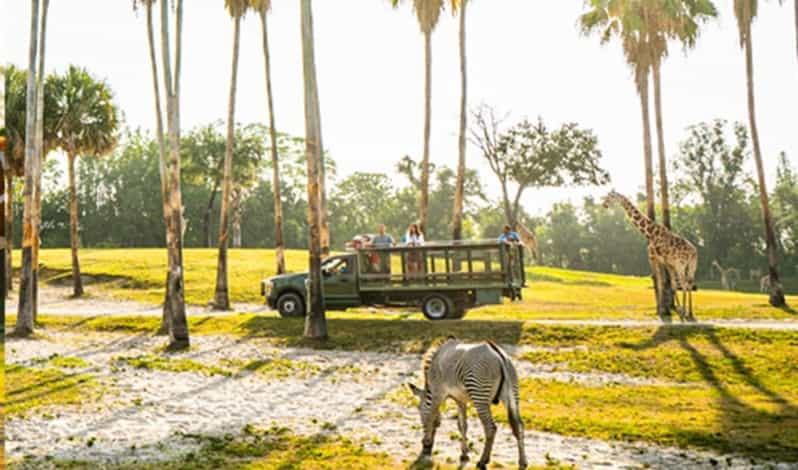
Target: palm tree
(262, 7)
(457, 216)
(315, 321)
(25, 321)
(663, 21)
(88, 124)
(625, 19)
(161, 142)
(428, 13)
(745, 11)
(666, 20)
(237, 9)
(178, 326)
(40, 155)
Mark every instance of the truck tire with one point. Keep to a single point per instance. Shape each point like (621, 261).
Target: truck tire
(291, 305)
(437, 307)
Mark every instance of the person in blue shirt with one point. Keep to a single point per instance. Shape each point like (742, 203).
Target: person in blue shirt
(509, 236)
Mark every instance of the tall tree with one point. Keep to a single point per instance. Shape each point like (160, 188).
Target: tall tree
(457, 217)
(88, 125)
(625, 19)
(745, 11)
(530, 155)
(315, 321)
(666, 20)
(25, 321)
(161, 141)
(428, 13)
(263, 7)
(40, 156)
(221, 300)
(178, 326)
(3, 284)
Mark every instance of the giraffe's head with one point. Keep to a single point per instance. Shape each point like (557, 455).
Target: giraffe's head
(611, 197)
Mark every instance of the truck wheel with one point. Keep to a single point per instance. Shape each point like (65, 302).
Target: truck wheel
(437, 307)
(291, 305)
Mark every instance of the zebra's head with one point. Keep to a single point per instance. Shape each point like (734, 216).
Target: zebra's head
(425, 412)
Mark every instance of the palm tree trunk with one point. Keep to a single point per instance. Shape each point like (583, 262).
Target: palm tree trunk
(315, 321)
(663, 169)
(796, 27)
(776, 293)
(40, 154)
(178, 326)
(647, 150)
(424, 198)
(206, 218)
(222, 295)
(77, 284)
(668, 294)
(161, 155)
(9, 226)
(3, 251)
(324, 223)
(24, 325)
(459, 190)
(642, 89)
(279, 244)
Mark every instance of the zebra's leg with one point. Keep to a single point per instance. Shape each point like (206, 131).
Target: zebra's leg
(462, 425)
(483, 410)
(431, 424)
(514, 416)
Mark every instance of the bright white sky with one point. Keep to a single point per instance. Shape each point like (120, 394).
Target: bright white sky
(525, 57)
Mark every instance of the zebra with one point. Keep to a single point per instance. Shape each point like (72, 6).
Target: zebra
(481, 373)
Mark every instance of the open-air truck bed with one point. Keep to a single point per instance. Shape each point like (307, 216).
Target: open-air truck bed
(467, 274)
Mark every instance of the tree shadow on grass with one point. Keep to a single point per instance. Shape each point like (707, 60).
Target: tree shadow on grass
(387, 335)
(742, 427)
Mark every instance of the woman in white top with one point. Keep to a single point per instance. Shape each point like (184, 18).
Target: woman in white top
(414, 237)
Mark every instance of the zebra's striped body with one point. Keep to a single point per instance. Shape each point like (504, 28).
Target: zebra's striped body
(479, 373)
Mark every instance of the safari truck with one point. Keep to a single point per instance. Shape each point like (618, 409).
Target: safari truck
(444, 279)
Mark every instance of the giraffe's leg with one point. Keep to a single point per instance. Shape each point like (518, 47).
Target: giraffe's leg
(652, 259)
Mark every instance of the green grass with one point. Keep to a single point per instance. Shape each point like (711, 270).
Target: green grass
(720, 417)
(31, 388)
(138, 274)
(170, 364)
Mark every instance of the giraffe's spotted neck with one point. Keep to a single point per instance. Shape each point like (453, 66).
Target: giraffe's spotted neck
(639, 220)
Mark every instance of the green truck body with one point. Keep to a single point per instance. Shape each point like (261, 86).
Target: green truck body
(445, 279)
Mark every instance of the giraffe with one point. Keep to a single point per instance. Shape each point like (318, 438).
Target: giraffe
(529, 241)
(728, 276)
(665, 249)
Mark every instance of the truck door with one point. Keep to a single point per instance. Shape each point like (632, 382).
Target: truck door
(340, 282)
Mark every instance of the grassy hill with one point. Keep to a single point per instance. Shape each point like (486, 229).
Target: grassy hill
(139, 274)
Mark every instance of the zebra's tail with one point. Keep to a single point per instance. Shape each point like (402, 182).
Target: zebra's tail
(508, 377)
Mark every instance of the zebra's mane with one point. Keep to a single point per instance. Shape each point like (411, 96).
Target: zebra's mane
(429, 356)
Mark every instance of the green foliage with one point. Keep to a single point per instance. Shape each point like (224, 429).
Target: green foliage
(725, 219)
(538, 157)
(86, 116)
(15, 96)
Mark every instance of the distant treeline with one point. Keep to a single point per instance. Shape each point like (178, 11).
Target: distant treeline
(716, 205)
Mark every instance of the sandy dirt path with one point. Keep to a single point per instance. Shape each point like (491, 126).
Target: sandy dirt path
(145, 414)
